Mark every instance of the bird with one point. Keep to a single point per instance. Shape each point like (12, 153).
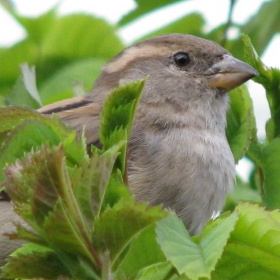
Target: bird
(178, 153)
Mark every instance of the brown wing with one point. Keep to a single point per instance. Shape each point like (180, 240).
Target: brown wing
(79, 113)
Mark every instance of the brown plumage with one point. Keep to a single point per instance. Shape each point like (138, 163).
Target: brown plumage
(178, 152)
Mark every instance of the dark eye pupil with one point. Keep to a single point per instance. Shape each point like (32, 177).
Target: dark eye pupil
(181, 59)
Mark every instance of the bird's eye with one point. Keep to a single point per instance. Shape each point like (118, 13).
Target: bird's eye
(181, 59)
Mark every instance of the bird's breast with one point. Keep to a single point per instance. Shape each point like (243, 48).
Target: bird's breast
(187, 170)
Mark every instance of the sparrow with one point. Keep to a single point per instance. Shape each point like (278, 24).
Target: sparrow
(178, 153)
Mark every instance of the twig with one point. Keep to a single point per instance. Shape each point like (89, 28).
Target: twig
(229, 22)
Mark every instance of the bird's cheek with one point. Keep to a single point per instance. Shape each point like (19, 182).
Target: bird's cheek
(198, 81)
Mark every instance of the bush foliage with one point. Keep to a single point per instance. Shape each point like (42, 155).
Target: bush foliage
(83, 221)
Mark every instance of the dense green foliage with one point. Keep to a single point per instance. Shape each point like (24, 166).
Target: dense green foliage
(87, 225)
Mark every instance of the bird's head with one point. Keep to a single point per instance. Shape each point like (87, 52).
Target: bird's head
(182, 70)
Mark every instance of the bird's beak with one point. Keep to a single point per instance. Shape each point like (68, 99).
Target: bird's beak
(229, 73)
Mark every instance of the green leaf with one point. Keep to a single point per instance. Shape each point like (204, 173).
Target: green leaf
(270, 79)
(40, 188)
(28, 50)
(60, 84)
(195, 257)
(24, 233)
(143, 257)
(262, 28)
(34, 131)
(118, 226)
(19, 96)
(25, 91)
(33, 261)
(254, 60)
(87, 40)
(255, 153)
(243, 191)
(92, 43)
(61, 231)
(116, 190)
(159, 271)
(11, 58)
(63, 202)
(41, 48)
(23, 139)
(30, 261)
(90, 183)
(271, 173)
(14, 116)
(119, 108)
(265, 155)
(189, 24)
(253, 249)
(118, 115)
(36, 27)
(241, 126)
(144, 7)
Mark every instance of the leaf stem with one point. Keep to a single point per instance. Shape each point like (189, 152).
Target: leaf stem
(228, 24)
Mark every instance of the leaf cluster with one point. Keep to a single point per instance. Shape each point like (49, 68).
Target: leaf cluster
(80, 215)
(265, 154)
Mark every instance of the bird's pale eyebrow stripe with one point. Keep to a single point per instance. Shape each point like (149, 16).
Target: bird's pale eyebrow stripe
(133, 53)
